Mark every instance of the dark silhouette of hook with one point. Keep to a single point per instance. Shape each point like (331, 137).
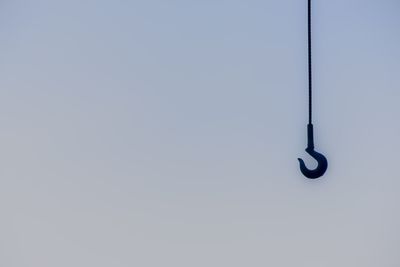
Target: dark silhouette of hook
(322, 161)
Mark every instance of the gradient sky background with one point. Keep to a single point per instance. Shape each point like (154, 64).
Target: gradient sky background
(166, 133)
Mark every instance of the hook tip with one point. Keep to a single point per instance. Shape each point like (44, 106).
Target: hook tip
(321, 168)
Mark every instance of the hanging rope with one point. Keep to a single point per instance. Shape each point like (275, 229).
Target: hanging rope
(309, 63)
(322, 162)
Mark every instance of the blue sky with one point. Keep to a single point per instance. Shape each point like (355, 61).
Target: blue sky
(149, 133)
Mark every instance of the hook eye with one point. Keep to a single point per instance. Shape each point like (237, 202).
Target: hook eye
(321, 168)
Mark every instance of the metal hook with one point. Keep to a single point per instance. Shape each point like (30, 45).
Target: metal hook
(322, 161)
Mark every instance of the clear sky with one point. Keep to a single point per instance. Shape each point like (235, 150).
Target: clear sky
(153, 133)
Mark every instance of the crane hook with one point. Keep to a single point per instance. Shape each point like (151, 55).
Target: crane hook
(321, 159)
